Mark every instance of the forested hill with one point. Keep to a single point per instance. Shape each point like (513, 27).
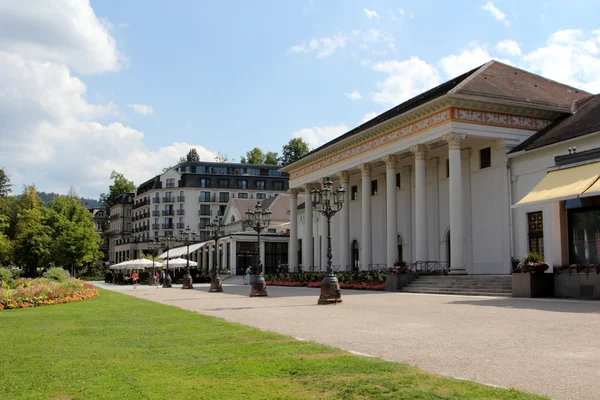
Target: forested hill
(89, 203)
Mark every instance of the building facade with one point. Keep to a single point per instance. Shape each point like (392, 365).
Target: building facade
(428, 182)
(101, 218)
(120, 228)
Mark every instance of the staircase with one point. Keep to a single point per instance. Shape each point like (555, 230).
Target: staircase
(465, 285)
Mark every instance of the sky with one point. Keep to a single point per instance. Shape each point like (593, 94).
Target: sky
(91, 87)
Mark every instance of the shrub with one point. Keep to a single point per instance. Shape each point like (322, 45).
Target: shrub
(24, 293)
(532, 263)
(5, 275)
(57, 274)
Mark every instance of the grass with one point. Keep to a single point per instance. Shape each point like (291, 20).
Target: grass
(119, 347)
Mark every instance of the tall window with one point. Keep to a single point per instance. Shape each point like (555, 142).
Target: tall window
(260, 185)
(243, 184)
(205, 196)
(204, 183)
(171, 183)
(277, 185)
(261, 196)
(398, 186)
(447, 168)
(374, 187)
(354, 195)
(485, 158)
(535, 225)
(242, 195)
(223, 197)
(223, 183)
(205, 209)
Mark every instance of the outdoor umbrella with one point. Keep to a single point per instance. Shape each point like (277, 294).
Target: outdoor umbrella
(121, 265)
(142, 263)
(180, 262)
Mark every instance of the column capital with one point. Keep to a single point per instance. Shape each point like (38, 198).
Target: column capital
(454, 139)
(294, 193)
(344, 176)
(420, 151)
(365, 169)
(390, 160)
(308, 187)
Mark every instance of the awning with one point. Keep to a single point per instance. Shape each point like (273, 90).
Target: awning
(594, 190)
(564, 184)
(181, 251)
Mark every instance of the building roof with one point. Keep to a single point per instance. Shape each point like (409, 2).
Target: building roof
(279, 205)
(491, 82)
(584, 120)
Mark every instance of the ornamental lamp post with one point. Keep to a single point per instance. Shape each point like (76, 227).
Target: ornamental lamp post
(328, 202)
(216, 231)
(153, 245)
(258, 219)
(184, 236)
(167, 242)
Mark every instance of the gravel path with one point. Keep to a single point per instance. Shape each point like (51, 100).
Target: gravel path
(542, 346)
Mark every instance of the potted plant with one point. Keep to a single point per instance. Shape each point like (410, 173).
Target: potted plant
(577, 281)
(530, 280)
(398, 276)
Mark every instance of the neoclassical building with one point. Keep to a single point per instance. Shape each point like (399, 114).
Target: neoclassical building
(431, 179)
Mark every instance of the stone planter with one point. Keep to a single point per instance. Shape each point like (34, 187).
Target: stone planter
(577, 286)
(394, 283)
(532, 285)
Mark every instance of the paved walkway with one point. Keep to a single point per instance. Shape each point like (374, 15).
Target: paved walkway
(543, 346)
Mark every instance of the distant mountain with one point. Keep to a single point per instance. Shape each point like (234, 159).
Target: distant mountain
(89, 203)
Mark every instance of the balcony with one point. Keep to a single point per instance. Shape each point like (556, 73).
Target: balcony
(202, 225)
(156, 200)
(167, 213)
(180, 212)
(156, 213)
(115, 216)
(180, 199)
(168, 200)
(155, 226)
(223, 199)
(205, 212)
(180, 225)
(142, 203)
(207, 199)
(168, 226)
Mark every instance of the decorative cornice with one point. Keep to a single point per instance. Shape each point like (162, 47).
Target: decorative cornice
(344, 177)
(453, 140)
(307, 187)
(365, 169)
(420, 151)
(391, 161)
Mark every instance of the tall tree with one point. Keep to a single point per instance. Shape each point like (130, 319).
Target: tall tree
(72, 193)
(74, 238)
(271, 158)
(4, 183)
(221, 157)
(33, 240)
(255, 156)
(293, 151)
(192, 156)
(120, 185)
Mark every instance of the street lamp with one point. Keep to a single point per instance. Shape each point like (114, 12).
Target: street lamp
(258, 220)
(153, 245)
(184, 236)
(328, 202)
(167, 242)
(216, 231)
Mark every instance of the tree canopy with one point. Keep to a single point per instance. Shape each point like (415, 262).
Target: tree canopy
(293, 151)
(192, 156)
(254, 156)
(120, 185)
(4, 183)
(221, 157)
(271, 158)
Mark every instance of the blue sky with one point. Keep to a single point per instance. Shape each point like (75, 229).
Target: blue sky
(131, 85)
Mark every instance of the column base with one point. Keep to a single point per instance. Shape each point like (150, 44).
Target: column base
(330, 291)
(457, 271)
(259, 287)
(216, 285)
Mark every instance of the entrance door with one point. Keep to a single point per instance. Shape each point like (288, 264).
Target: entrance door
(448, 248)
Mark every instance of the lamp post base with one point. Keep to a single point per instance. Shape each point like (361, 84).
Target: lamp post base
(187, 281)
(259, 287)
(330, 291)
(167, 282)
(216, 284)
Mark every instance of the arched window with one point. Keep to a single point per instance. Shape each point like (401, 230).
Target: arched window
(232, 218)
(355, 255)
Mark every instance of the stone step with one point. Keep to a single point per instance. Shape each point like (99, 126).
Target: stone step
(457, 290)
(459, 287)
(437, 291)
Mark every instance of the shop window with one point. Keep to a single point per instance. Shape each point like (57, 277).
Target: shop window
(535, 227)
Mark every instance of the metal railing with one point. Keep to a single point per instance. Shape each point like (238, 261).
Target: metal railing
(156, 200)
(156, 213)
(166, 213)
(430, 267)
(167, 226)
(168, 200)
(180, 212)
(180, 199)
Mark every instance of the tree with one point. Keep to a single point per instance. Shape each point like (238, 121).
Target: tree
(4, 183)
(221, 157)
(74, 238)
(192, 156)
(293, 151)
(120, 185)
(72, 193)
(33, 239)
(255, 156)
(271, 158)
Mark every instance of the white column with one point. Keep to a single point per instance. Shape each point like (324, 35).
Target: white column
(210, 257)
(307, 242)
(262, 253)
(457, 255)
(323, 235)
(345, 221)
(392, 213)
(293, 246)
(365, 256)
(420, 152)
(233, 258)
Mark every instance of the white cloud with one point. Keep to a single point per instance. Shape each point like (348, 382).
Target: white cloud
(367, 117)
(49, 134)
(509, 47)
(319, 135)
(405, 79)
(143, 109)
(355, 95)
(59, 31)
(371, 14)
(471, 57)
(124, 25)
(298, 49)
(322, 46)
(496, 13)
(570, 56)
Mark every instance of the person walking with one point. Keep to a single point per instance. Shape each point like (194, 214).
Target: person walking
(157, 278)
(134, 278)
(247, 276)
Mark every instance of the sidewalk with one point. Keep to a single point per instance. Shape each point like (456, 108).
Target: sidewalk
(542, 346)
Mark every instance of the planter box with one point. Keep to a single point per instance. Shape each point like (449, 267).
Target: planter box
(532, 285)
(393, 283)
(577, 286)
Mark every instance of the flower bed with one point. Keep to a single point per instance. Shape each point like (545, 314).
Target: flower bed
(356, 286)
(25, 293)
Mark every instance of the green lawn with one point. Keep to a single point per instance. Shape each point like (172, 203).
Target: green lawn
(119, 347)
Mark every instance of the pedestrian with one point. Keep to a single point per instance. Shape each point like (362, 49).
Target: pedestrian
(157, 278)
(134, 278)
(247, 276)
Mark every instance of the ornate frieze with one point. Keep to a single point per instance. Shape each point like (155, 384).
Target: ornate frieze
(500, 119)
